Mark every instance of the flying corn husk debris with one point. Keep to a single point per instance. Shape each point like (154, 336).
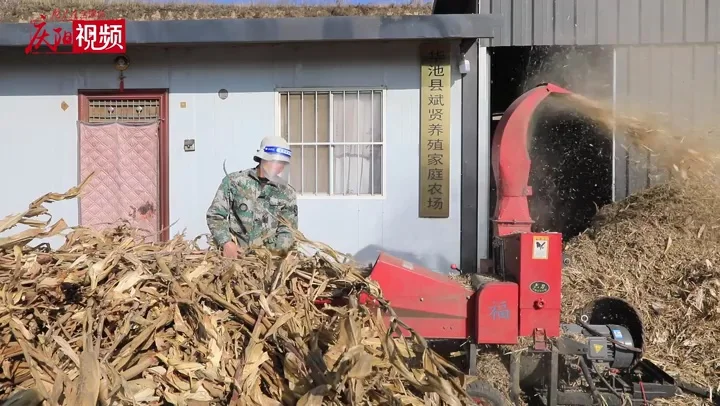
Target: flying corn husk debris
(109, 319)
(659, 249)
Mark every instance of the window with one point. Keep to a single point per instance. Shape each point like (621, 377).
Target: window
(336, 139)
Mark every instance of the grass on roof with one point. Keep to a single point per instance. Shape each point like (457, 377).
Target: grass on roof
(27, 10)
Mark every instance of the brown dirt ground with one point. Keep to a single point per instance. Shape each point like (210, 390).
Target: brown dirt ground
(25, 11)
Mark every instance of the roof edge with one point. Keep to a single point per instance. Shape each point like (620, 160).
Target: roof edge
(284, 30)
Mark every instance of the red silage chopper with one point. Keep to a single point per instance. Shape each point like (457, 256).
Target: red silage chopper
(522, 299)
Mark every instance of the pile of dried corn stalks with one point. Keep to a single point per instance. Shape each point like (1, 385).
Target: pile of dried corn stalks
(108, 319)
(660, 251)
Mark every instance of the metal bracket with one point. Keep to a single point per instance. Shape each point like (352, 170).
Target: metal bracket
(466, 44)
(540, 342)
(568, 346)
(472, 354)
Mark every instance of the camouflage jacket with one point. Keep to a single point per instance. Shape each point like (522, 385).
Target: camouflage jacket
(248, 208)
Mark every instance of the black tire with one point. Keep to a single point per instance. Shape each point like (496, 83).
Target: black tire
(484, 394)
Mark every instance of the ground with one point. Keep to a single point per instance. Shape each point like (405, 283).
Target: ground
(27, 10)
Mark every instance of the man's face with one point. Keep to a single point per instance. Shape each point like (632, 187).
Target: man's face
(273, 170)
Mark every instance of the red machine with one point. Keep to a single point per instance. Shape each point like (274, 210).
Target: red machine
(498, 312)
(523, 298)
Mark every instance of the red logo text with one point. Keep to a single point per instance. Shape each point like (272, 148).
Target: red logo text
(85, 36)
(71, 15)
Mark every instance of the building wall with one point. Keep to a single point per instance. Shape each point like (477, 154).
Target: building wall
(587, 22)
(680, 81)
(40, 151)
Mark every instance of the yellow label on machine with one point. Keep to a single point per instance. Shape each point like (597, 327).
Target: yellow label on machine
(541, 247)
(598, 348)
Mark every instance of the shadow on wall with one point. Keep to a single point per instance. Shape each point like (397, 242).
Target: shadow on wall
(207, 69)
(369, 254)
(183, 70)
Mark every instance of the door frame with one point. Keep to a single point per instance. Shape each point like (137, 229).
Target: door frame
(84, 97)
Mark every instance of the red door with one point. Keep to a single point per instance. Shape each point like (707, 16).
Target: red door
(123, 141)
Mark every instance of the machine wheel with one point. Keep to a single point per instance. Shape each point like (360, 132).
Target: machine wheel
(484, 394)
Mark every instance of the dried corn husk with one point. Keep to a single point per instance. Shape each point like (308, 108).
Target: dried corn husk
(108, 318)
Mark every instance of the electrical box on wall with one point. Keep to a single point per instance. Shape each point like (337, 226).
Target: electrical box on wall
(189, 145)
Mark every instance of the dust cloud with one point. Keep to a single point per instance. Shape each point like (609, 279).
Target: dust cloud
(571, 156)
(571, 144)
(659, 248)
(583, 70)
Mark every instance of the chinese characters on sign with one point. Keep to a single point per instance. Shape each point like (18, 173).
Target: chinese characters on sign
(435, 131)
(70, 15)
(84, 36)
(499, 311)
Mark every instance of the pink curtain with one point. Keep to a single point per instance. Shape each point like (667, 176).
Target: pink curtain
(126, 184)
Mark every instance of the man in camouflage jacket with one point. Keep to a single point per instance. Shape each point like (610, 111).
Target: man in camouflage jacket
(248, 204)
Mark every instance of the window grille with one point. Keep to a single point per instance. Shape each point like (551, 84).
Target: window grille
(336, 139)
(125, 110)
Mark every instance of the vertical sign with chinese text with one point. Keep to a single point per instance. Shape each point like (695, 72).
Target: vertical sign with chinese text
(435, 130)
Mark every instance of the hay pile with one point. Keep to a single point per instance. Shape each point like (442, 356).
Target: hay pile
(659, 249)
(107, 317)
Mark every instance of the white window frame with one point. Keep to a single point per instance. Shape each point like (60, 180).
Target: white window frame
(331, 175)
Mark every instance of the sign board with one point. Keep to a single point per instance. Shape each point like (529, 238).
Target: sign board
(87, 35)
(541, 247)
(435, 82)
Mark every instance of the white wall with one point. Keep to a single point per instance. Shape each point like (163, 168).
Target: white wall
(38, 153)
